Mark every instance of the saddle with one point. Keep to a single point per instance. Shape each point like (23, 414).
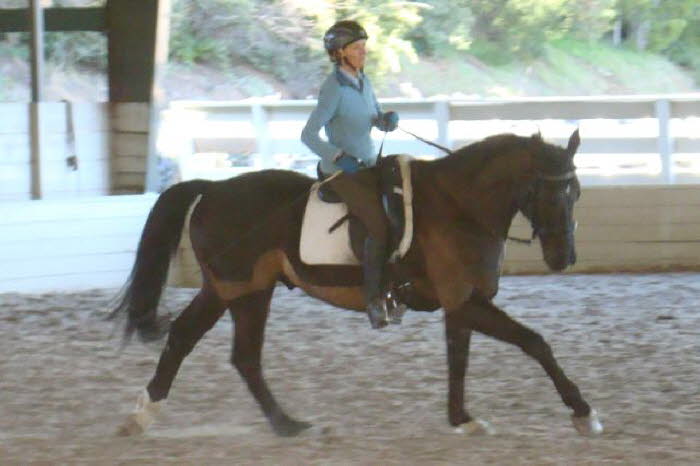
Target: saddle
(343, 209)
(378, 202)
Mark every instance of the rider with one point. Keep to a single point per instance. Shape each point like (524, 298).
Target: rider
(347, 109)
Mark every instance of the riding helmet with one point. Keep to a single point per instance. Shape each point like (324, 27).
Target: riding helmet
(342, 34)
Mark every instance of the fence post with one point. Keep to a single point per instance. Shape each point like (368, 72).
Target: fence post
(665, 143)
(259, 115)
(442, 118)
(36, 111)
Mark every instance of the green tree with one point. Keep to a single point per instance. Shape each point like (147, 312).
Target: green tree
(588, 19)
(655, 24)
(446, 27)
(387, 24)
(521, 28)
(284, 37)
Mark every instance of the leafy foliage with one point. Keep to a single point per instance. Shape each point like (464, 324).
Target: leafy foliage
(282, 38)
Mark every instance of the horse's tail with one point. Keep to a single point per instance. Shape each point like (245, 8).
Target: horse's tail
(161, 235)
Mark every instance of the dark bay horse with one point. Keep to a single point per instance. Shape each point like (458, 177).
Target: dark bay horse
(245, 235)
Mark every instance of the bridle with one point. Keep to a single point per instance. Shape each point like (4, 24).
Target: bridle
(531, 201)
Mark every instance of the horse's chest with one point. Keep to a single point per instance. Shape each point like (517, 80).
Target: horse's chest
(459, 260)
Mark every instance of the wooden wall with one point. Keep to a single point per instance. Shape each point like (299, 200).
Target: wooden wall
(625, 229)
(70, 244)
(130, 143)
(110, 143)
(15, 182)
(91, 242)
(620, 229)
(88, 141)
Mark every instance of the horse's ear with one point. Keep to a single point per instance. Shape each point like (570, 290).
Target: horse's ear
(574, 141)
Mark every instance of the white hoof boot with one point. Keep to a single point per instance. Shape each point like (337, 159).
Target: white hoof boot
(475, 427)
(142, 417)
(588, 426)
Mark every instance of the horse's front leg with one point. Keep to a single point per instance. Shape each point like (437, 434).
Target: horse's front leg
(482, 315)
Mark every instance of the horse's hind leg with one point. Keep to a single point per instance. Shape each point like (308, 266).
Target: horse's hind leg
(458, 337)
(481, 315)
(250, 315)
(189, 327)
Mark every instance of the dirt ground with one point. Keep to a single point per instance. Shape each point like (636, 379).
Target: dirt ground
(631, 342)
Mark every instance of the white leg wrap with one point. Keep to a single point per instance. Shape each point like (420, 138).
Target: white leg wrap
(475, 427)
(588, 426)
(146, 410)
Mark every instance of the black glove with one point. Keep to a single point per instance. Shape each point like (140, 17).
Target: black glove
(388, 121)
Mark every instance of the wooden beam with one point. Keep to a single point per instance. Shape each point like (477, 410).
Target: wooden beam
(132, 45)
(137, 50)
(55, 19)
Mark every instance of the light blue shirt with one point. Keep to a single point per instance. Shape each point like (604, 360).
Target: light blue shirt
(347, 112)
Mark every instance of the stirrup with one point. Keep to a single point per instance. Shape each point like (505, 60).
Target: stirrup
(395, 308)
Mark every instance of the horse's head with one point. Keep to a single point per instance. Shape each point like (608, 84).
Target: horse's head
(549, 201)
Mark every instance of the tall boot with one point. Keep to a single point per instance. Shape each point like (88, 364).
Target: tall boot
(374, 261)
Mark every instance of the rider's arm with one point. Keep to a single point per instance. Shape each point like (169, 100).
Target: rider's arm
(384, 121)
(328, 101)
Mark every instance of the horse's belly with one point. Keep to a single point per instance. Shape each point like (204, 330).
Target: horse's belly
(348, 297)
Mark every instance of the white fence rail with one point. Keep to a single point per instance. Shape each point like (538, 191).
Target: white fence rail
(625, 140)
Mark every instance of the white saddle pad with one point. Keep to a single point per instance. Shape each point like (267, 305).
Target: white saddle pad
(317, 245)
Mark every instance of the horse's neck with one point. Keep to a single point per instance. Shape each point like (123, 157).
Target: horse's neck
(488, 194)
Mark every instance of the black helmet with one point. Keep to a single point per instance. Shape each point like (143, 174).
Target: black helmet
(341, 34)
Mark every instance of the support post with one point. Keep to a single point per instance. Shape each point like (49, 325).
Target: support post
(665, 142)
(442, 118)
(37, 43)
(137, 42)
(260, 124)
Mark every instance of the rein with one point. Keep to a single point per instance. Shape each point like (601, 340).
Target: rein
(540, 177)
(430, 143)
(563, 177)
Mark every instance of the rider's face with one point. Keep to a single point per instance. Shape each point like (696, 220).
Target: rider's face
(354, 54)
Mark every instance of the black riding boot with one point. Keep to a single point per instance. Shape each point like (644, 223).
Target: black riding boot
(373, 267)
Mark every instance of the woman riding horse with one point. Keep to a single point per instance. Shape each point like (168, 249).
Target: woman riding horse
(245, 234)
(347, 109)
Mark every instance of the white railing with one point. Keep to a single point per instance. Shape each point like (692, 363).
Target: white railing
(625, 139)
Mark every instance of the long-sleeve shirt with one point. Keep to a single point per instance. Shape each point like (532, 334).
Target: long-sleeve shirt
(347, 111)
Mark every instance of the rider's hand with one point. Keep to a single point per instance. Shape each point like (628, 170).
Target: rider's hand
(388, 121)
(347, 163)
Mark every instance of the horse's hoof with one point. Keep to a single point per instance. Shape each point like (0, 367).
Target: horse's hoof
(377, 312)
(290, 428)
(379, 324)
(475, 427)
(130, 427)
(588, 426)
(143, 415)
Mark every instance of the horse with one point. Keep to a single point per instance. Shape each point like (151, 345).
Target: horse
(245, 234)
